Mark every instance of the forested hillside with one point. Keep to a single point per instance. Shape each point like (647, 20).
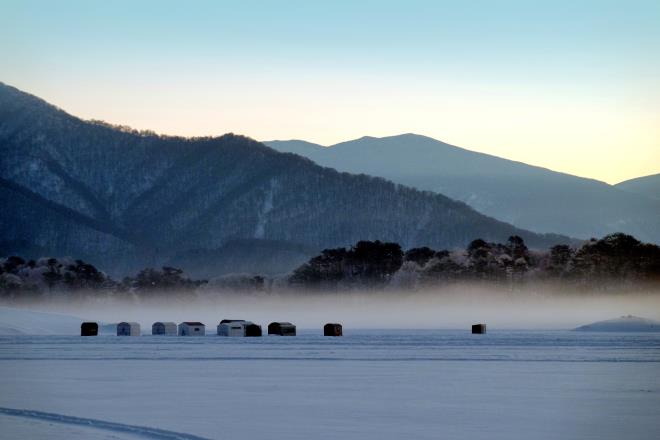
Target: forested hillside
(124, 199)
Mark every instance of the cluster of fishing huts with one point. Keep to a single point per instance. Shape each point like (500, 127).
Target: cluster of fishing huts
(226, 327)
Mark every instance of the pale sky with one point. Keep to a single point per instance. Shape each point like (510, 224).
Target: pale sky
(569, 85)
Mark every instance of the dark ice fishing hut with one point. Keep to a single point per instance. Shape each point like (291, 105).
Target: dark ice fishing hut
(281, 329)
(478, 329)
(89, 329)
(332, 329)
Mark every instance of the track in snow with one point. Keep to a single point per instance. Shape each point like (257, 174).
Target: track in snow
(143, 431)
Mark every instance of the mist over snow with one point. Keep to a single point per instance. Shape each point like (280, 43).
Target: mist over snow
(14, 321)
(451, 308)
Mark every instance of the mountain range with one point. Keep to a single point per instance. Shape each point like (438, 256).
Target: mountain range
(125, 199)
(526, 196)
(648, 186)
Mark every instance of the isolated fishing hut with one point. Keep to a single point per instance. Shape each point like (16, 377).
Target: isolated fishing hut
(281, 329)
(332, 329)
(192, 328)
(128, 329)
(89, 329)
(478, 329)
(164, 328)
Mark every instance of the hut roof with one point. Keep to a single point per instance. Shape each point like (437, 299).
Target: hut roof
(192, 323)
(128, 323)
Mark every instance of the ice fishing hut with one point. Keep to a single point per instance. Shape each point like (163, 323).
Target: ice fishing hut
(252, 330)
(192, 328)
(478, 329)
(281, 329)
(231, 327)
(128, 329)
(238, 327)
(164, 328)
(332, 329)
(89, 329)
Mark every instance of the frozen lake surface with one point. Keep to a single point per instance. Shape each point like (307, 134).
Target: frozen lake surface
(368, 384)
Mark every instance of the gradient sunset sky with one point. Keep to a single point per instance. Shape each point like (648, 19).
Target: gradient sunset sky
(569, 85)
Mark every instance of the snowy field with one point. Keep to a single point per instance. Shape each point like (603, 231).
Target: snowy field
(369, 384)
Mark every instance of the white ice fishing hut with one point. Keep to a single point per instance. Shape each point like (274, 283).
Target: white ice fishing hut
(164, 328)
(234, 327)
(192, 328)
(128, 329)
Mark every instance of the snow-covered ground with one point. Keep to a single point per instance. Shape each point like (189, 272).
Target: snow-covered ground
(15, 321)
(25, 424)
(371, 384)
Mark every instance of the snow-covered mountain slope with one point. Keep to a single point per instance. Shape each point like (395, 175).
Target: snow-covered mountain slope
(529, 197)
(123, 199)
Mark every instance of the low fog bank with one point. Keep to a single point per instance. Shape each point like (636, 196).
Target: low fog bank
(454, 307)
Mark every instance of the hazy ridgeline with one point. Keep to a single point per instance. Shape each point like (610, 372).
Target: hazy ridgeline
(526, 196)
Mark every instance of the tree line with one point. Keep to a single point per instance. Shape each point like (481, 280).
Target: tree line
(51, 275)
(598, 263)
(614, 260)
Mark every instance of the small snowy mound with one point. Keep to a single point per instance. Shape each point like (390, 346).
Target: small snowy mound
(623, 324)
(27, 322)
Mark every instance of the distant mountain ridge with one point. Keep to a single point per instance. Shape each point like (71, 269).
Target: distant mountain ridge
(527, 196)
(123, 199)
(648, 186)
